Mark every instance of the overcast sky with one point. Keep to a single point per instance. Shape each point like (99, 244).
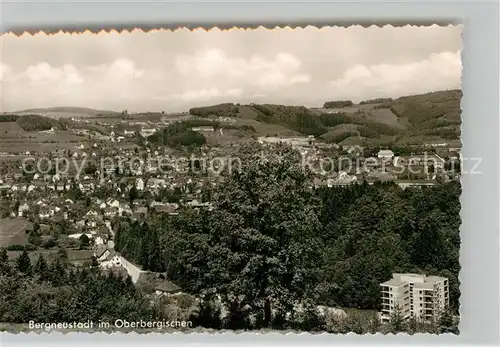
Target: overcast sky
(173, 71)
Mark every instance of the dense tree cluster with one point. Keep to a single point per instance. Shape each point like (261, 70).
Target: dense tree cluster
(221, 110)
(337, 104)
(298, 118)
(7, 118)
(57, 292)
(179, 134)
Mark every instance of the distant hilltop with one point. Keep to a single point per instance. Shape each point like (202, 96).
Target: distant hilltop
(65, 112)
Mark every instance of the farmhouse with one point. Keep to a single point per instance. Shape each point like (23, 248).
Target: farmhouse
(147, 132)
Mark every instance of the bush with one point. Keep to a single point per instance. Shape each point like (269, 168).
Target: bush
(49, 242)
(386, 101)
(5, 118)
(21, 248)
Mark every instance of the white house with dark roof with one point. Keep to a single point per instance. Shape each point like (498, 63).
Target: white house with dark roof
(139, 183)
(385, 154)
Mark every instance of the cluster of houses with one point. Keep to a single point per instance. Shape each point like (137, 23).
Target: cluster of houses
(420, 169)
(50, 198)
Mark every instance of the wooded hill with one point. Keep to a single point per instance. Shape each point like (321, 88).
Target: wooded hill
(33, 122)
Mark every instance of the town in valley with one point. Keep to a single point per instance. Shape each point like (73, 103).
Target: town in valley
(78, 215)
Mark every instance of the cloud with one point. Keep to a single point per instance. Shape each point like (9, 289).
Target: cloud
(119, 70)
(43, 73)
(438, 72)
(41, 83)
(5, 71)
(204, 66)
(174, 71)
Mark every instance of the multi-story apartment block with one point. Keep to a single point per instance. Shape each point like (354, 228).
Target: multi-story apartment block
(419, 296)
(395, 295)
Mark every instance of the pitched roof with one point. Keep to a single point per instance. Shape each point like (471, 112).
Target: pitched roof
(111, 254)
(386, 152)
(13, 231)
(100, 250)
(84, 254)
(159, 282)
(166, 286)
(393, 282)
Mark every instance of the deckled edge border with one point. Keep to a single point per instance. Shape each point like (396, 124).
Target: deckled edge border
(208, 27)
